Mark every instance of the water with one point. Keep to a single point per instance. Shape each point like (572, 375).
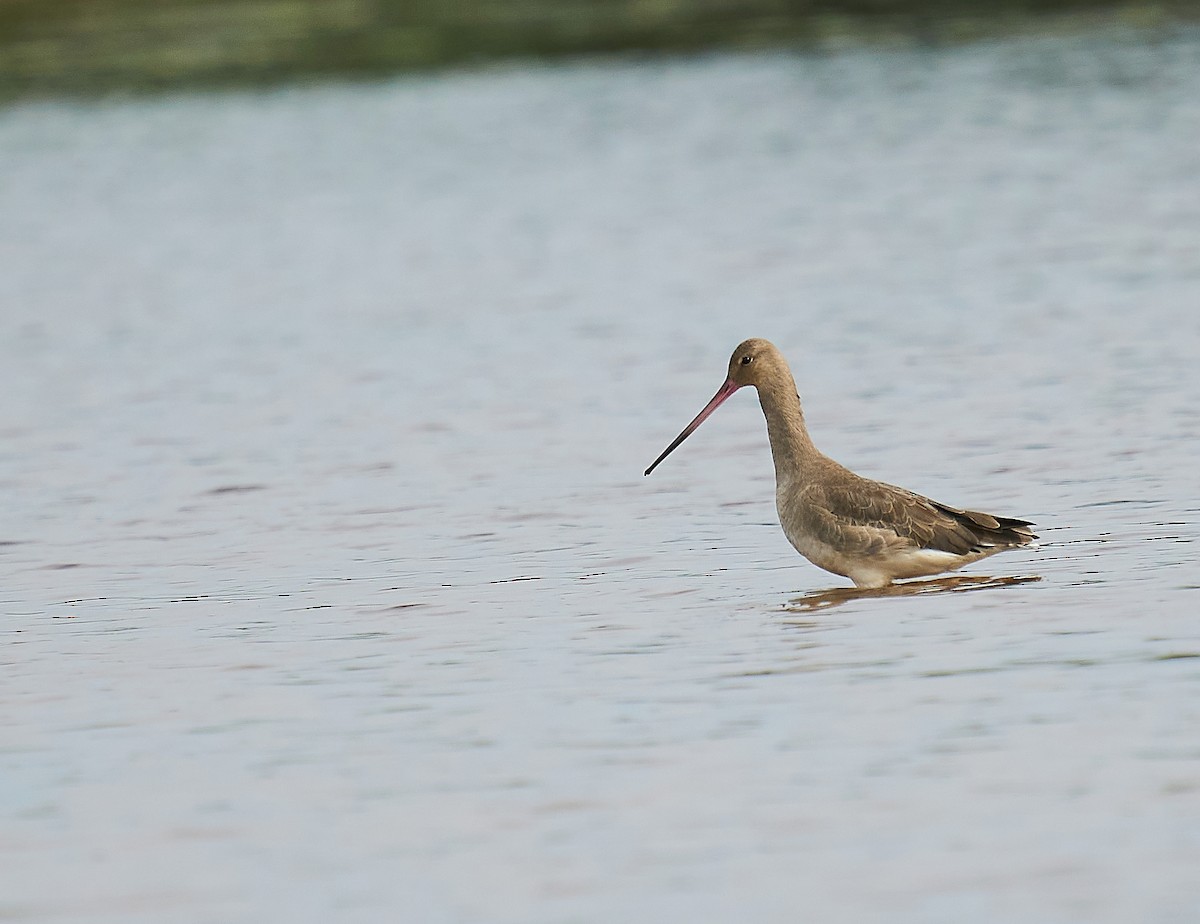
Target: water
(332, 589)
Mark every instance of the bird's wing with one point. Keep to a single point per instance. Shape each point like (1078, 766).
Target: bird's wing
(871, 516)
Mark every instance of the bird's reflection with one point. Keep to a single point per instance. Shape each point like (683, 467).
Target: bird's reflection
(959, 583)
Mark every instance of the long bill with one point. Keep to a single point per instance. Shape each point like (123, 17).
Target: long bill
(718, 399)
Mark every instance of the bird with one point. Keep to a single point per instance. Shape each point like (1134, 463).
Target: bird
(871, 532)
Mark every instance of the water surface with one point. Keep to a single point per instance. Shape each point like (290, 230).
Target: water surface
(332, 589)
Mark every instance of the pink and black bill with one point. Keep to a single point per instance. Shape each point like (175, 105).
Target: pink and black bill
(718, 399)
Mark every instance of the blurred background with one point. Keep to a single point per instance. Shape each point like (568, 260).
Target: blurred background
(95, 45)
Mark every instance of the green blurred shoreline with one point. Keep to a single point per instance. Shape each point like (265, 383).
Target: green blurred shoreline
(97, 47)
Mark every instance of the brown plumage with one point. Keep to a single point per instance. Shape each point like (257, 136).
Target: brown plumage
(871, 532)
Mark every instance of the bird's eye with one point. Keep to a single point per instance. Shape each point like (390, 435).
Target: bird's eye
(747, 360)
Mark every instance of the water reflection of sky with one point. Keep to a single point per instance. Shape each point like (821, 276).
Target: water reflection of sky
(332, 582)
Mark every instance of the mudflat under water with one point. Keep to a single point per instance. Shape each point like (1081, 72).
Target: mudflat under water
(330, 585)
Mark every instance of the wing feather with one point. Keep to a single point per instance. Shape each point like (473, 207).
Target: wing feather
(869, 516)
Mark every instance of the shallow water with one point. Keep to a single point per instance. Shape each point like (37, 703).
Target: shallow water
(332, 588)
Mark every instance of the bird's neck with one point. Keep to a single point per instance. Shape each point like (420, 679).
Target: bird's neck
(791, 447)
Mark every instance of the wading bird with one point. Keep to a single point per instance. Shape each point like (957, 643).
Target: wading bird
(868, 531)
